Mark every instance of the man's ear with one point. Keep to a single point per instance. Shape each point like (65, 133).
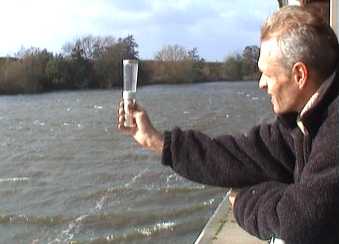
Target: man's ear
(300, 74)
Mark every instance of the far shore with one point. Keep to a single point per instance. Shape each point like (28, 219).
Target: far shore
(120, 87)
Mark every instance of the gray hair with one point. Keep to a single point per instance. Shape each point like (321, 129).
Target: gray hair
(303, 36)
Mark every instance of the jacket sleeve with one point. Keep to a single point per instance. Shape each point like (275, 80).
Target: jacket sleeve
(230, 161)
(302, 212)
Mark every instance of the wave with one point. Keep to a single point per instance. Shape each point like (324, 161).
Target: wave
(109, 220)
(139, 233)
(133, 232)
(33, 220)
(141, 190)
(14, 179)
(147, 233)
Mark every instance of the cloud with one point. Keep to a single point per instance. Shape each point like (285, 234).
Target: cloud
(215, 27)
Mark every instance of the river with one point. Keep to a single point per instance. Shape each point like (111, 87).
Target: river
(68, 176)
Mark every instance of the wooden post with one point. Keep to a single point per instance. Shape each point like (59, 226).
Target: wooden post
(333, 15)
(280, 3)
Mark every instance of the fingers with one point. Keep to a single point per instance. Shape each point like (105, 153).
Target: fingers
(121, 125)
(121, 110)
(232, 195)
(131, 106)
(121, 117)
(124, 129)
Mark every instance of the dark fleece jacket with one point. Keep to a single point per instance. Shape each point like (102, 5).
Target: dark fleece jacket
(289, 181)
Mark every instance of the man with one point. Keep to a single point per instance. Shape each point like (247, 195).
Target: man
(287, 170)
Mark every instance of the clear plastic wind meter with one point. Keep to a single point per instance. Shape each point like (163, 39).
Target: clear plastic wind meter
(130, 73)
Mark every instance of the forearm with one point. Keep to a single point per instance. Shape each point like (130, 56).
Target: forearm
(226, 161)
(295, 213)
(185, 153)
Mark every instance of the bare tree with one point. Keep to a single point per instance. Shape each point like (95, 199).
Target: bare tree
(172, 53)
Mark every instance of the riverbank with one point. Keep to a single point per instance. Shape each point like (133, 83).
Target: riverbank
(38, 70)
(222, 228)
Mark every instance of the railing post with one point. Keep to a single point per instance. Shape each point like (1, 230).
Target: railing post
(333, 15)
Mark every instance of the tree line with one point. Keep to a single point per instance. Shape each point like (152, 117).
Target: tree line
(92, 62)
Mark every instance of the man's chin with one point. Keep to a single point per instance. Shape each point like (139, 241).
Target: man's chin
(279, 111)
(285, 113)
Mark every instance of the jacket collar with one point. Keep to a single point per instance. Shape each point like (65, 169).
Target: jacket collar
(317, 96)
(310, 115)
(313, 103)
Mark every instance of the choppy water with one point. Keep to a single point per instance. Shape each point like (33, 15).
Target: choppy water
(68, 176)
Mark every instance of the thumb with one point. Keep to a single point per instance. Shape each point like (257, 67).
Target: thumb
(140, 116)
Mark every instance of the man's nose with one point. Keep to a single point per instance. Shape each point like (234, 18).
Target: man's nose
(263, 82)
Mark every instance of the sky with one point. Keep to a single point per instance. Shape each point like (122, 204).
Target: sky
(217, 28)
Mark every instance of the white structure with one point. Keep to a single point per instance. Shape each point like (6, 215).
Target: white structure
(334, 11)
(288, 2)
(293, 2)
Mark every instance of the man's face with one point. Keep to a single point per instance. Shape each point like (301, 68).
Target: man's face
(276, 80)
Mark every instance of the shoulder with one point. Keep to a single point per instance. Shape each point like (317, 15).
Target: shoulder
(324, 145)
(330, 122)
